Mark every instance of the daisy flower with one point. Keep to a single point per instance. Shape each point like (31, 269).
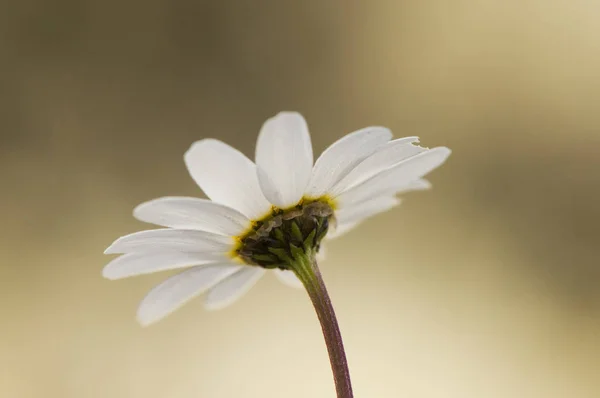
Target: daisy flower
(269, 215)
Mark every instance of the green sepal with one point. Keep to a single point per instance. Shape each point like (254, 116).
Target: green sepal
(297, 252)
(286, 236)
(270, 266)
(282, 254)
(278, 234)
(321, 235)
(310, 240)
(296, 231)
(265, 257)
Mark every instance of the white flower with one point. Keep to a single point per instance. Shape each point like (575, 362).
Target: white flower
(355, 178)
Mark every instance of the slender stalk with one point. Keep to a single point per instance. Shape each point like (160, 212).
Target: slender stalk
(307, 270)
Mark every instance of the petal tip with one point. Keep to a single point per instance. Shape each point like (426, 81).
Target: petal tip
(145, 321)
(444, 150)
(146, 317)
(421, 185)
(384, 131)
(294, 114)
(112, 272)
(139, 210)
(107, 273)
(197, 145)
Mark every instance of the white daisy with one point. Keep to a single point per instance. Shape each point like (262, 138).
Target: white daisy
(257, 211)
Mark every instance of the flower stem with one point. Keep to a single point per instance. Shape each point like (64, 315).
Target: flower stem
(306, 269)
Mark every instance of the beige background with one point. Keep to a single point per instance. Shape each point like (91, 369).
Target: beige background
(486, 286)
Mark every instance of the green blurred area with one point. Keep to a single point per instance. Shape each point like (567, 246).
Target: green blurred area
(487, 285)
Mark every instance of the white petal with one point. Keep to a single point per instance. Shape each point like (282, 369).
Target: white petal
(192, 213)
(416, 185)
(393, 189)
(396, 177)
(342, 156)
(233, 287)
(288, 278)
(145, 263)
(284, 158)
(185, 240)
(340, 229)
(179, 289)
(227, 177)
(390, 154)
(361, 211)
(343, 226)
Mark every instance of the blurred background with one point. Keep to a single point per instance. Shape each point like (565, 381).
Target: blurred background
(487, 285)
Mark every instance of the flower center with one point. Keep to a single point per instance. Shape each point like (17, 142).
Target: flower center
(275, 240)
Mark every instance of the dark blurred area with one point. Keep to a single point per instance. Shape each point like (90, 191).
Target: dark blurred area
(487, 285)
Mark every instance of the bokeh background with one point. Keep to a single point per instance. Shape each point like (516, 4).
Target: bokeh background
(486, 286)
